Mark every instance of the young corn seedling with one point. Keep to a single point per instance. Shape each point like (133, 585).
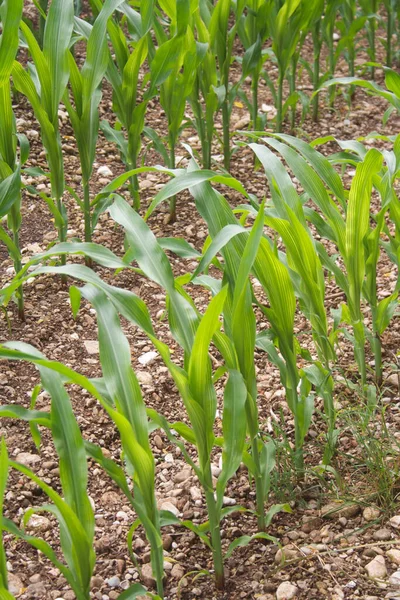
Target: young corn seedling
(86, 94)
(328, 35)
(369, 9)
(119, 394)
(221, 41)
(177, 87)
(349, 227)
(391, 10)
(3, 559)
(194, 332)
(123, 73)
(10, 168)
(349, 26)
(253, 32)
(73, 512)
(51, 68)
(285, 26)
(206, 97)
(305, 267)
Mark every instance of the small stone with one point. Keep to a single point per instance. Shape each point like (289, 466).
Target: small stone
(92, 346)
(15, 585)
(113, 582)
(394, 579)
(39, 523)
(122, 516)
(169, 458)
(167, 542)
(96, 582)
(147, 575)
(335, 510)
(104, 171)
(393, 380)
(158, 442)
(382, 535)
(242, 123)
(395, 522)
(226, 501)
(195, 493)
(394, 555)
(286, 591)
(27, 459)
(177, 571)
(110, 498)
(139, 545)
(197, 591)
(147, 358)
(170, 508)
(182, 476)
(286, 553)
(144, 377)
(376, 569)
(35, 578)
(371, 513)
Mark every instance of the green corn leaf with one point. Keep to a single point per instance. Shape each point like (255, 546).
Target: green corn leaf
(3, 484)
(179, 246)
(234, 431)
(221, 239)
(245, 540)
(357, 225)
(189, 180)
(57, 36)
(14, 411)
(199, 370)
(68, 443)
(77, 548)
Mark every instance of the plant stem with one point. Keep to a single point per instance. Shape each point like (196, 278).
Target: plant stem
(389, 34)
(17, 268)
(331, 90)
(372, 25)
(292, 89)
(134, 189)
(259, 486)
(214, 531)
(42, 22)
(317, 50)
(226, 135)
(87, 219)
(62, 234)
(254, 91)
(279, 104)
(172, 202)
(157, 563)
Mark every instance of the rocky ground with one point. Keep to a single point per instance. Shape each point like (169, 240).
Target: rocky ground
(342, 539)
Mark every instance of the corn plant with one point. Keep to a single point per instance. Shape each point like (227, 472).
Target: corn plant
(391, 10)
(275, 280)
(358, 242)
(369, 9)
(207, 96)
(84, 115)
(285, 25)
(253, 31)
(51, 68)
(177, 86)
(221, 41)
(10, 168)
(327, 32)
(119, 393)
(74, 512)
(123, 75)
